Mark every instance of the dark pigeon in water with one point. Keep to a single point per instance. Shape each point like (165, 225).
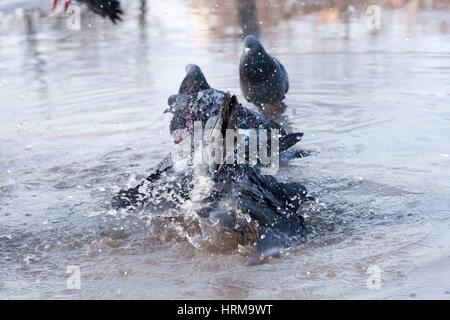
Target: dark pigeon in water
(197, 101)
(105, 8)
(206, 104)
(264, 81)
(271, 204)
(240, 199)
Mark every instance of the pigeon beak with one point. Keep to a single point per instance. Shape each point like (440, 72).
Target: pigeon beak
(247, 50)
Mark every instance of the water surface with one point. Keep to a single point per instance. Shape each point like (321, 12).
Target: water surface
(82, 117)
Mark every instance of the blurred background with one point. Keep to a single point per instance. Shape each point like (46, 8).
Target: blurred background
(82, 116)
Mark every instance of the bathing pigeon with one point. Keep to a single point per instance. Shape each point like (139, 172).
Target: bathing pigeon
(197, 101)
(270, 203)
(206, 104)
(264, 81)
(237, 198)
(109, 8)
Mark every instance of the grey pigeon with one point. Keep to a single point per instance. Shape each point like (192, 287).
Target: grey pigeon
(264, 81)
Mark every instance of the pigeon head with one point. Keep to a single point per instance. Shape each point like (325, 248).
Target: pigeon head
(194, 81)
(253, 48)
(177, 102)
(255, 63)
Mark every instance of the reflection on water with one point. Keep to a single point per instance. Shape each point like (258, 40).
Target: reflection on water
(247, 17)
(33, 54)
(82, 116)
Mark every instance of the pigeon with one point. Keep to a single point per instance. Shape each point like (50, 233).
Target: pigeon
(242, 188)
(264, 81)
(197, 101)
(239, 198)
(109, 8)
